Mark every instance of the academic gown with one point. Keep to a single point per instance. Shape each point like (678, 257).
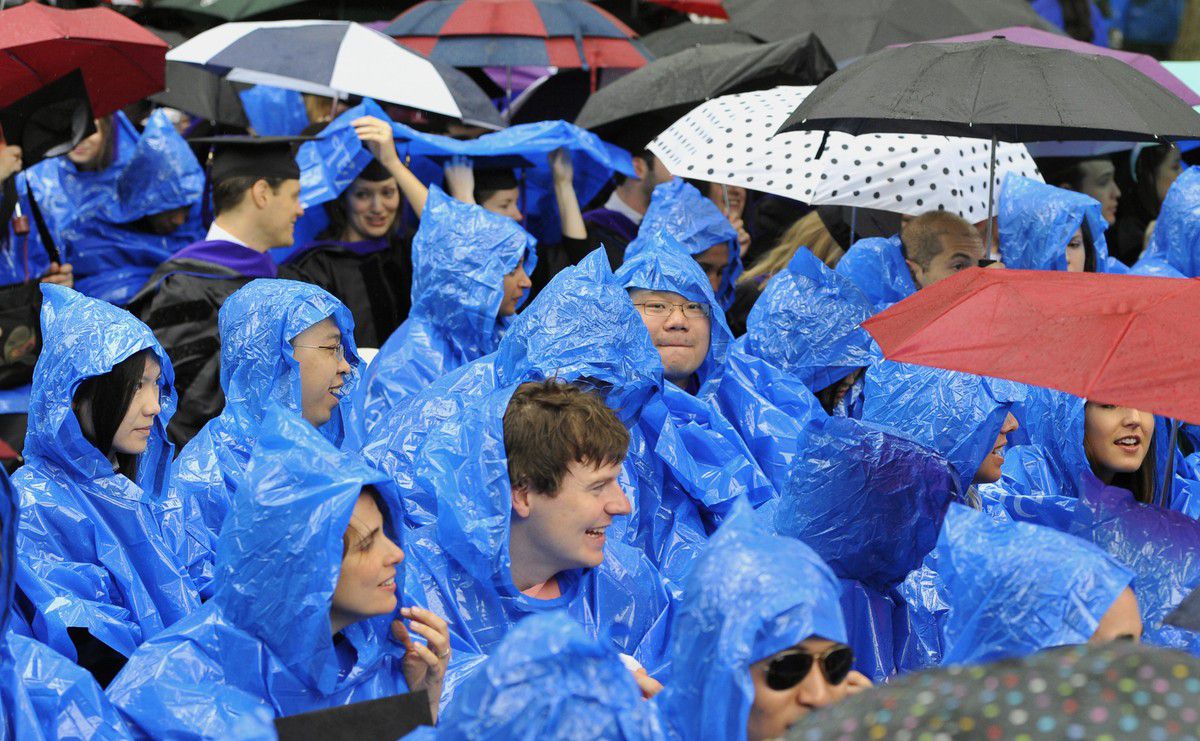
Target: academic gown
(180, 303)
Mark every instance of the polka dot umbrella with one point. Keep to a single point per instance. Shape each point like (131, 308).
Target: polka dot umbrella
(1114, 691)
(732, 140)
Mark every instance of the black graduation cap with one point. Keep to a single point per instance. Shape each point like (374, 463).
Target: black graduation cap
(49, 121)
(1187, 614)
(386, 718)
(252, 156)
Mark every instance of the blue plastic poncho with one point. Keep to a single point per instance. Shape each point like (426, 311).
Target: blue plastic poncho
(1036, 221)
(876, 265)
(122, 559)
(112, 255)
(1172, 251)
(43, 695)
(273, 111)
(679, 210)
(257, 324)
(461, 254)
(750, 595)
(959, 415)
(262, 646)
(659, 262)
(1014, 588)
(1160, 547)
(548, 679)
(461, 562)
(807, 323)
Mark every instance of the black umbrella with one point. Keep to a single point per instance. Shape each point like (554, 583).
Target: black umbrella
(1117, 690)
(199, 92)
(851, 28)
(667, 41)
(635, 108)
(474, 104)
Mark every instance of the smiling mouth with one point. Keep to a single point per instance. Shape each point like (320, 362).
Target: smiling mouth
(596, 532)
(389, 583)
(1130, 441)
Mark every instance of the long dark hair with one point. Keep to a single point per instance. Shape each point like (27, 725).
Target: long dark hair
(1089, 248)
(108, 397)
(1142, 481)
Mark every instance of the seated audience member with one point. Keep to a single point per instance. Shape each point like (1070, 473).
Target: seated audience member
(282, 341)
(113, 557)
(548, 679)
(364, 257)
(758, 640)
(1172, 251)
(256, 201)
(1150, 172)
(1095, 177)
(1042, 227)
(471, 274)
(526, 482)
(291, 628)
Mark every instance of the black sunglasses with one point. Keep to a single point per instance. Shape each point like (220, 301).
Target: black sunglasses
(789, 668)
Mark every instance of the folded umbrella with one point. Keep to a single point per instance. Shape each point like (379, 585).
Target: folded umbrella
(330, 58)
(729, 140)
(1116, 339)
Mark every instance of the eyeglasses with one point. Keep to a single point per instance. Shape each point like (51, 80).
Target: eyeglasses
(338, 351)
(693, 309)
(789, 668)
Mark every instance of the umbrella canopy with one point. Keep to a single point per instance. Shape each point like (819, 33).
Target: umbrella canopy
(1114, 690)
(1144, 63)
(729, 140)
(707, 8)
(1117, 339)
(121, 61)
(226, 10)
(682, 36)
(499, 33)
(851, 28)
(199, 92)
(968, 90)
(652, 98)
(331, 58)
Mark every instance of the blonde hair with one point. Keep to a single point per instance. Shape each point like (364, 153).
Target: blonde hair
(808, 231)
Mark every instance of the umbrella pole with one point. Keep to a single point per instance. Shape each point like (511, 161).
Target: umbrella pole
(991, 197)
(507, 86)
(1170, 472)
(725, 195)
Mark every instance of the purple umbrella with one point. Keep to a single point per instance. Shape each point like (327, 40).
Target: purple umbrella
(1147, 65)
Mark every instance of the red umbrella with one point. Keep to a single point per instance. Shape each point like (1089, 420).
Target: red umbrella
(708, 8)
(121, 61)
(1118, 339)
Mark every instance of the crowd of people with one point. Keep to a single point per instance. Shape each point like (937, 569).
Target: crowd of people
(643, 475)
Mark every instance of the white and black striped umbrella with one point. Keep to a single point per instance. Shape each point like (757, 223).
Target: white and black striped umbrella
(330, 58)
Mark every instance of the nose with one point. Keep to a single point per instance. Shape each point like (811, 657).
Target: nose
(343, 365)
(1132, 417)
(523, 278)
(1010, 424)
(517, 215)
(153, 407)
(676, 319)
(815, 691)
(395, 553)
(618, 503)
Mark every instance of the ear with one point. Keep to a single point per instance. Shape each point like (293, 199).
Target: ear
(640, 168)
(259, 193)
(521, 501)
(917, 272)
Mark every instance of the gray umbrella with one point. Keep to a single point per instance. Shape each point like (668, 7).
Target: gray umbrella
(667, 41)
(199, 92)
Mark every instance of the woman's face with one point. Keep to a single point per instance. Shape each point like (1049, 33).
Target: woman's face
(366, 585)
(990, 470)
(1166, 172)
(323, 368)
(133, 433)
(1116, 439)
(89, 148)
(504, 202)
(775, 711)
(1098, 180)
(1122, 621)
(736, 195)
(371, 207)
(1076, 253)
(516, 283)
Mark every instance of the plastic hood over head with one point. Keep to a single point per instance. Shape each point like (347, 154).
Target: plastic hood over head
(461, 254)
(1174, 248)
(280, 553)
(1160, 547)
(1014, 588)
(876, 265)
(959, 415)
(1036, 221)
(548, 680)
(1049, 458)
(750, 595)
(85, 337)
(681, 211)
(161, 175)
(867, 500)
(659, 262)
(807, 323)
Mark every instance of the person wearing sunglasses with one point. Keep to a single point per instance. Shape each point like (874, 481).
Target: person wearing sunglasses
(759, 639)
(282, 341)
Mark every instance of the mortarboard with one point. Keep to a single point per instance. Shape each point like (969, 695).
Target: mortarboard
(252, 156)
(49, 121)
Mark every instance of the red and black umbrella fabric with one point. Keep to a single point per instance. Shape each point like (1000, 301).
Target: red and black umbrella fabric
(121, 61)
(513, 33)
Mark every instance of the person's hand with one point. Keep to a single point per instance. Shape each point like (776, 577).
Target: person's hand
(62, 275)
(376, 134)
(424, 665)
(561, 166)
(743, 236)
(460, 179)
(856, 682)
(10, 161)
(647, 684)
